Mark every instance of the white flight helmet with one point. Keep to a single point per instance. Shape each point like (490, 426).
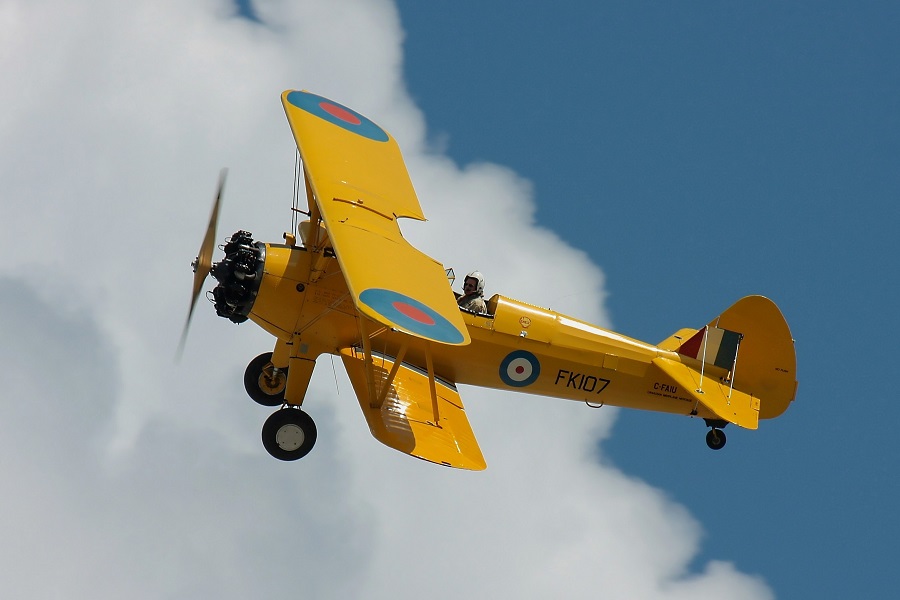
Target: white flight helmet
(479, 278)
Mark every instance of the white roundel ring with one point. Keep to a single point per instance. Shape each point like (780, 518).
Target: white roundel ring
(520, 368)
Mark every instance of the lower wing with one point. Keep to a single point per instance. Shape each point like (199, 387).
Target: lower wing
(413, 412)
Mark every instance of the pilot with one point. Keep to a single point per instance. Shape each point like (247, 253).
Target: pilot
(473, 290)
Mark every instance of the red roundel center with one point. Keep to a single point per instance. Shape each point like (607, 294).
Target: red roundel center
(413, 313)
(341, 113)
(520, 369)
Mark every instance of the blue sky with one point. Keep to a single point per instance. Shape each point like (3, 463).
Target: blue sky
(699, 152)
(636, 165)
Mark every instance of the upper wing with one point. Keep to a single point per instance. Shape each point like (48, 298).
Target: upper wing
(361, 187)
(406, 416)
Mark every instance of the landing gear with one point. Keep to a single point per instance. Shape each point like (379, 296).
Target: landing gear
(715, 439)
(264, 382)
(289, 434)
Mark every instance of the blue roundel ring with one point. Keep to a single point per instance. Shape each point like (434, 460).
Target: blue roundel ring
(338, 114)
(411, 315)
(520, 368)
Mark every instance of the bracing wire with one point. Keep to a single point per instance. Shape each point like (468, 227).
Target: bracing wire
(296, 199)
(334, 370)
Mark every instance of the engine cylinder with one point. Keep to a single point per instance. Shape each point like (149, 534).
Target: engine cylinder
(239, 275)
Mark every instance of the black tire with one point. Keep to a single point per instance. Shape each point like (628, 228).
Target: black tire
(715, 439)
(262, 384)
(289, 434)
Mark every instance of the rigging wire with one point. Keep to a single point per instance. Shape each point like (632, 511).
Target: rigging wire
(296, 199)
(334, 370)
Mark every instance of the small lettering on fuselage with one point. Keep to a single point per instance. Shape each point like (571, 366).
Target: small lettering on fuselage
(664, 387)
(581, 381)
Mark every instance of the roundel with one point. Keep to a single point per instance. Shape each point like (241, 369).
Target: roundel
(337, 114)
(520, 368)
(411, 315)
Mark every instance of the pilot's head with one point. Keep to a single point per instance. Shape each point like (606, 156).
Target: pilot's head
(474, 282)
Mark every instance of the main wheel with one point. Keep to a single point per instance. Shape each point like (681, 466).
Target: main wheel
(715, 439)
(289, 434)
(263, 382)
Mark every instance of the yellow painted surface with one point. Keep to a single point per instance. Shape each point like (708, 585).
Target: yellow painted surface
(311, 299)
(582, 362)
(351, 166)
(719, 397)
(360, 187)
(766, 362)
(408, 420)
(309, 317)
(576, 360)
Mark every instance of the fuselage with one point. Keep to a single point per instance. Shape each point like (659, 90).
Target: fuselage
(302, 299)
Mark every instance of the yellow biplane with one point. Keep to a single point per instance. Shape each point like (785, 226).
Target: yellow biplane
(405, 342)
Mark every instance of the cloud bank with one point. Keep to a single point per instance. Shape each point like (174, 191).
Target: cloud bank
(125, 474)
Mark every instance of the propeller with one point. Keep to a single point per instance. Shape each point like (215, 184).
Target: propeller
(203, 263)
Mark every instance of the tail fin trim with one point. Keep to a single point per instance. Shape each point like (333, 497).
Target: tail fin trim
(713, 345)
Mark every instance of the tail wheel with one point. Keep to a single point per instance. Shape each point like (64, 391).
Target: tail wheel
(715, 439)
(289, 434)
(264, 382)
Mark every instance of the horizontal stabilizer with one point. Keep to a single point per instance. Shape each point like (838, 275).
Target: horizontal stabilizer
(723, 401)
(406, 416)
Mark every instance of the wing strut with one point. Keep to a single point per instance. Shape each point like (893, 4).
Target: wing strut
(390, 379)
(405, 419)
(431, 386)
(367, 358)
(376, 397)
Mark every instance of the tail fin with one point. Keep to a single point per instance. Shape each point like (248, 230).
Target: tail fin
(752, 341)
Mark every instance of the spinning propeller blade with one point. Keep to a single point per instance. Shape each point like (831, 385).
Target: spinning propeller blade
(203, 263)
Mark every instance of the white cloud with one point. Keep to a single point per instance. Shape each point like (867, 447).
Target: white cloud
(125, 474)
